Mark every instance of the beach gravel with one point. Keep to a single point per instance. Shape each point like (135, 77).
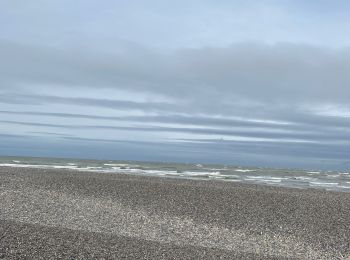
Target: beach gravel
(61, 214)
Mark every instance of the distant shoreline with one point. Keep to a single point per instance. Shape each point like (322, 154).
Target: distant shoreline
(71, 214)
(292, 178)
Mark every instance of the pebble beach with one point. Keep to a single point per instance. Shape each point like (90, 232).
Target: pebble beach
(63, 214)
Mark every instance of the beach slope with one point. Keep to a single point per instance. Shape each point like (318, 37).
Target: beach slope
(49, 214)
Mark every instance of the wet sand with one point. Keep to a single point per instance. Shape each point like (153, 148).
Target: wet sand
(50, 214)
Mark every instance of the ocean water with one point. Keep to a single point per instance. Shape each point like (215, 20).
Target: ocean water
(328, 180)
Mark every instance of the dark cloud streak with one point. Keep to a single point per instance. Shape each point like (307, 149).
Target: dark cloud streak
(225, 133)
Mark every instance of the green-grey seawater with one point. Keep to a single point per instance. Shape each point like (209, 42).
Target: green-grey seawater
(329, 180)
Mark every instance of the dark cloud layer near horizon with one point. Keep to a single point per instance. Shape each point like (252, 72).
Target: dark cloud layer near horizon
(103, 88)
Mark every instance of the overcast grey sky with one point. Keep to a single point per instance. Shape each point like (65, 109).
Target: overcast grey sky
(262, 83)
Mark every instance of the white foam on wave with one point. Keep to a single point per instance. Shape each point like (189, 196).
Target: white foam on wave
(182, 174)
(258, 177)
(23, 165)
(333, 175)
(89, 168)
(243, 170)
(124, 169)
(302, 178)
(40, 166)
(315, 172)
(201, 173)
(324, 183)
(230, 176)
(116, 164)
(121, 168)
(63, 166)
(272, 181)
(343, 187)
(278, 178)
(265, 179)
(157, 172)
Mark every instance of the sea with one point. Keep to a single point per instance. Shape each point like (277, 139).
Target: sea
(294, 178)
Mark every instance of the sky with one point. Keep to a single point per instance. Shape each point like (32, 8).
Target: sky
(255, 83)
